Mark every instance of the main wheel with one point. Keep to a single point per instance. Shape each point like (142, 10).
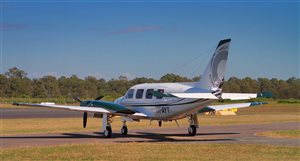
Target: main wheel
(107, 132)
(192, 130)
(124, 130)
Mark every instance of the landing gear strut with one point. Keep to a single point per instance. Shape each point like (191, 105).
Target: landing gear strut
(124, 129)
(193, 121)
(106, 127)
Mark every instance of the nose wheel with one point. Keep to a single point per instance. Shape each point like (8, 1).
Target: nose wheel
(192, 130)
(193, 121)
(124, 130)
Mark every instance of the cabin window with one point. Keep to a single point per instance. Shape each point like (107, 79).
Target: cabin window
(161, 91)
(139, 93)
(149, 93)
(130, 93)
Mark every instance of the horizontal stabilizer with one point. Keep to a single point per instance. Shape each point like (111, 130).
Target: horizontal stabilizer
(230, 106)
(195, 95)
(238, 96)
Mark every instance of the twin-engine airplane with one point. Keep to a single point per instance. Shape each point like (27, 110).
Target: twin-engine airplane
(165, 101)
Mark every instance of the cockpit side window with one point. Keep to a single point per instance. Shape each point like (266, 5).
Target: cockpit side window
(130, 94)
(139, 93)
(149, 93)
(161, 91)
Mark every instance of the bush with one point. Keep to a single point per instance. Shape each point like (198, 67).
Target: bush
(289, 101)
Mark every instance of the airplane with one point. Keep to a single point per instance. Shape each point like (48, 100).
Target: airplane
(164, 101)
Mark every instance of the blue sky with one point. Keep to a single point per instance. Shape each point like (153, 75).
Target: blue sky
(150, 39)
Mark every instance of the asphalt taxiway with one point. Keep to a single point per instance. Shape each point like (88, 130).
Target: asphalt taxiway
(206, 134)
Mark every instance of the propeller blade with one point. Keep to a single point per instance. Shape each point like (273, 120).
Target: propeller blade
(99, 98)
(84, 119)
(77, 99)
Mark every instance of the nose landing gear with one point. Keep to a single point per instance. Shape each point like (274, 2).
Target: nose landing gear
(193, 121)
(124, 129)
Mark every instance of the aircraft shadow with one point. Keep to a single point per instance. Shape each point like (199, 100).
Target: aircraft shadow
(155, 137)
(139, 137)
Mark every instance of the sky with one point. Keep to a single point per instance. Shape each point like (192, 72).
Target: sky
(107, 39)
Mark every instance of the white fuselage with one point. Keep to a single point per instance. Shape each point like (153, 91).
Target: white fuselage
(140, 99)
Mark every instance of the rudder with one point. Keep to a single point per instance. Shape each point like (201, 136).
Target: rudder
(213, 76)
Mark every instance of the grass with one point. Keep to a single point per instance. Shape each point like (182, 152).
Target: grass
(153, 152)
(289, 101)
(282, 134)
(271, 108)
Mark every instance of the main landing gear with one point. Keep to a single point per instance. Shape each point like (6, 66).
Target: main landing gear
(106, 126)
(107, 132)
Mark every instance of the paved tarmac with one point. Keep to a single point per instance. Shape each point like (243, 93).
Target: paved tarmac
(206, 134)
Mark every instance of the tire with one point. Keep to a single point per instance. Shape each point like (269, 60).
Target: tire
(124, 130)
(192, 130)
(108, 132)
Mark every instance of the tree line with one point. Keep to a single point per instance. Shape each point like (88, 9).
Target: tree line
(15, 83)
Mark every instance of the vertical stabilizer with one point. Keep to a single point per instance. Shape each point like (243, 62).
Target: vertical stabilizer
(213, 76)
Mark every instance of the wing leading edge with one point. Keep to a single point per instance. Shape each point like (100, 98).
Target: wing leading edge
(111, 108)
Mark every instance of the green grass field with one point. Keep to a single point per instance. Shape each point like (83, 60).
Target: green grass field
(153, 152)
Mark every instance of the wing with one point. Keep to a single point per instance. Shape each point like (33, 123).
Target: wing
(229, 106)
(105, 107)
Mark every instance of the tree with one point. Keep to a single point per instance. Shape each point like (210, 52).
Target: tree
(15, 83)
(51, 85)
(3, 85)
(294, 87)
(232, 85)
(39, 90)
(18, 84)
(91, 87)
(16, 73)
(170, 77)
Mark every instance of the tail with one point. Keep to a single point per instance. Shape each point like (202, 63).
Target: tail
(213, 77)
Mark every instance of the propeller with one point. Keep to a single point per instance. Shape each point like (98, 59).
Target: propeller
(77, 99)
(84, 119)
(99, 98)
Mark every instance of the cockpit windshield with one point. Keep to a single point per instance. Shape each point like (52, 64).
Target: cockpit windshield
(130, 93)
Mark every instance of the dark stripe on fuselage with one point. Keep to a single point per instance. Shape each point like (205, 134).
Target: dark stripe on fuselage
(198, 100)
